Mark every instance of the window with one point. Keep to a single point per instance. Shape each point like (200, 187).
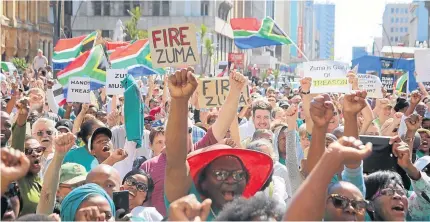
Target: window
(105, 34)
(204, 8)
(397, 10)
(392, 29)
(392, 20)
(396, 39)
(126, 8)
(406, 11)
(136, 4)
(97, 7)
(401, 29)
(155, 8)
(406, 29)
(106, 8)
(397, 20)
(392, 10)
(165, 8)
(397, 29)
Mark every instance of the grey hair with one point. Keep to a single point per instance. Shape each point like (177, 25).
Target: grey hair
(255, 145)
(50, 123)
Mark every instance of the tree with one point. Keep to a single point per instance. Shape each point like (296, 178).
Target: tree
(206, 47)
(133, 33)
(20, 64)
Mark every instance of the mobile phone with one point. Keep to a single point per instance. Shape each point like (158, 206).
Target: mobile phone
(120, 199)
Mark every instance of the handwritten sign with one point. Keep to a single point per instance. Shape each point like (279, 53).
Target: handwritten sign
(79, 90)
(173, 46)
(113, 81)
(422, 65)
(388, 82)
(372, 84)
(327, 76)
(213, 92)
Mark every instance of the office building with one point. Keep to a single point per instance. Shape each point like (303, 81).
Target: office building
(419, 24)
(324, 32)
(26, 26)
(358, 51)
(396, 24)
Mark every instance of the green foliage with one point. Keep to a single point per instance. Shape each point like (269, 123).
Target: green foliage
(208, 48)
(20, 64)
(133, 33)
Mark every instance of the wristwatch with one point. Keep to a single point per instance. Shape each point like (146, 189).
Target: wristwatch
(305, 93)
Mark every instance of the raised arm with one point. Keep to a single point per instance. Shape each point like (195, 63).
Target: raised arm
(51, 179)
(305, 83)
(150, 90)
(11, 104)
(229, 109)
(321, 112)
(80, 118)
(415, 99)
(308, 204)
(177, 180)
(51, 98)
(19, 128)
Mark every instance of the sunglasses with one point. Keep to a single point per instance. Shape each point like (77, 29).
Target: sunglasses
(140, 186)
(389, 192)
(37, 150)
(342, 202)
(222, 175)
(48, 132)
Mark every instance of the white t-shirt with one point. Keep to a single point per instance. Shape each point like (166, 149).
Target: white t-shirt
(40, 62)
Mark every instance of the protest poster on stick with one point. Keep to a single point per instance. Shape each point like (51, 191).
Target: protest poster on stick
(173, 46)
(387, 82)
(113, 81)
(372, 84)
(327, 76)
(79, 90)
(213, 92)
(422, 65)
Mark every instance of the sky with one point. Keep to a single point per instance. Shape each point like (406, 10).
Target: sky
(357, 22)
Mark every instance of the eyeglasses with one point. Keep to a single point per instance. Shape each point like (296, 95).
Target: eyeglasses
(389, 192)
(142, 187)
(342, 202)
(38, 150)
(48, 132)
(222, 175)
(148, 121)
(190, 129)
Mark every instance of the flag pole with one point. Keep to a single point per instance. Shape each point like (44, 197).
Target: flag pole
(294, 44)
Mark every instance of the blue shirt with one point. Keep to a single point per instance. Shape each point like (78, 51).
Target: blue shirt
(81, 156)
(198, 134)
(62, 112)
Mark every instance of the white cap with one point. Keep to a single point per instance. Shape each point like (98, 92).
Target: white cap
(422, 162)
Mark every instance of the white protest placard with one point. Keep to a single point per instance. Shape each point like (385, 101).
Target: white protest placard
(372, 84)
(422, 65)
(327, 76)
(173, 46)
(78, 90)
(113, 81)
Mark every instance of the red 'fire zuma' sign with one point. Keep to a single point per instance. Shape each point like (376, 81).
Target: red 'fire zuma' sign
(173, 46)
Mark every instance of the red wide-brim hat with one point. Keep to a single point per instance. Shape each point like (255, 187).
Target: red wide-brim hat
(259, 165)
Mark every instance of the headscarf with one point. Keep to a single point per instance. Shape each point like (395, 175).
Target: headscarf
(74, 199)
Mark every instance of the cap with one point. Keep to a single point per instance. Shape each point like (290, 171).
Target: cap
(155, 111)
(151, 117)
(101, 130)
(422, 162)
(284, 104)
(72, 173)
(64, 124)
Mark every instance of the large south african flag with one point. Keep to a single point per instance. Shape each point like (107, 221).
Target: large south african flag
(66, 50)
(135, 57)
(112, 46)
(90, 64)
(251, 33)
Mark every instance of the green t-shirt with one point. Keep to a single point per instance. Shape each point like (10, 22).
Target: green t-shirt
(62, 112)
(30, 187)
(81, 156)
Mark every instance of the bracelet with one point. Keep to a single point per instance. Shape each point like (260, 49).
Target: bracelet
(305, 93)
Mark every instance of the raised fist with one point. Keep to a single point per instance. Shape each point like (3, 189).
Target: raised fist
(64, 142)
(182, 84)
(321, 110)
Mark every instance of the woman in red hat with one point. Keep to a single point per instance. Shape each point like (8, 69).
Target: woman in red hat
(220, 172)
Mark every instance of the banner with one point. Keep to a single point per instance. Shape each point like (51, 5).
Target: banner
(422, 65)
(388, 82)
(237, 59)
(79, 90)
(327, 76)
(173, 46)
(372, 84)
(214, 91)
(113, 81)
(300, 41)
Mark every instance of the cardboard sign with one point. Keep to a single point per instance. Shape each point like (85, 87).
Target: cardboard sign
(213, 92)
(388, 82)
(422, 65)
(173, 46)
(113, 81)
(79, 90)
(327, 76)
(372, 84)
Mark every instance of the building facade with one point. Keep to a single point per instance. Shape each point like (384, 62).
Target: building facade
(103, 15)
(324, 20)
(419, 24)
(25, 28)
(396, 24)
(358, 51)
(377, 46)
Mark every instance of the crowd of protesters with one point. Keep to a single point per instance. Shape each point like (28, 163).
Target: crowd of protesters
(286, 155)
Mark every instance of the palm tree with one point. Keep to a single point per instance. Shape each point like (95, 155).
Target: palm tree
(133, 33)
(206, 47)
